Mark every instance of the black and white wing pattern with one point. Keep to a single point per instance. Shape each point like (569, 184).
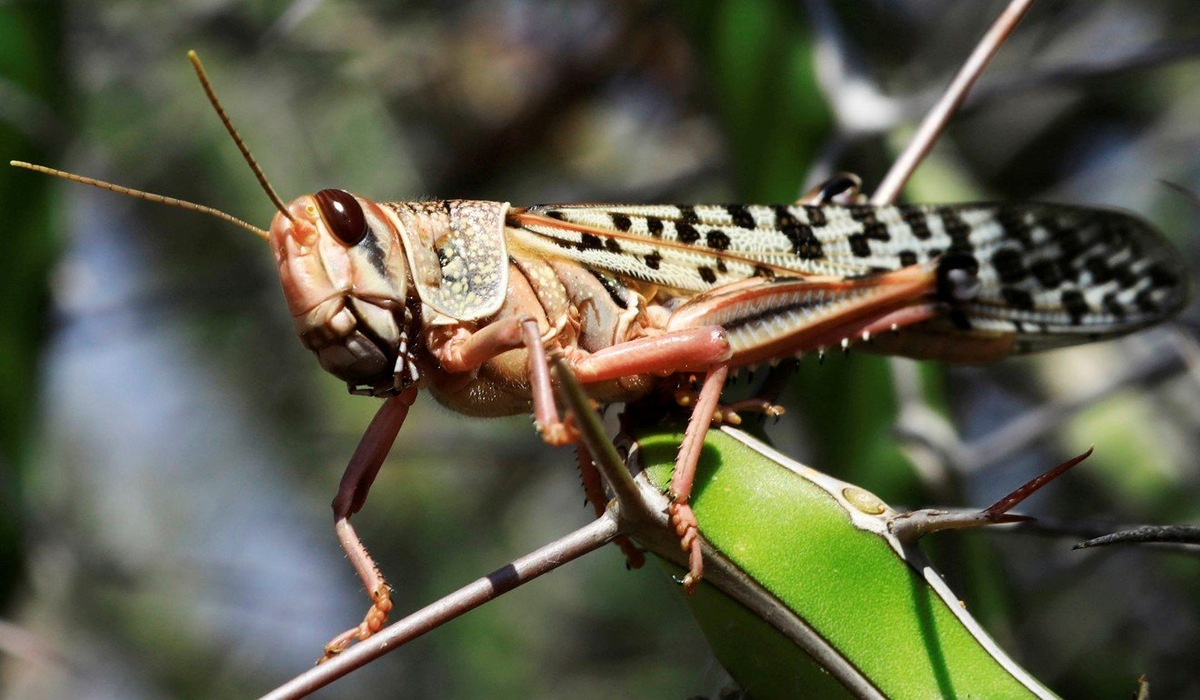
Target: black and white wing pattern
(1051, 274)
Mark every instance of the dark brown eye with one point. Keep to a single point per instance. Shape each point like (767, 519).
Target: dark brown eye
(343, 215)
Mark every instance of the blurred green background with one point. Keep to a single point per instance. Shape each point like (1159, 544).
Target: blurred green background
(169, 450)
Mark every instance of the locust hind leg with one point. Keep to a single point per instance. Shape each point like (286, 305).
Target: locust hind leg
(689, 349)
(683, 519)
(694, 349)
(352, 494)
(832, 310)
(789, 316)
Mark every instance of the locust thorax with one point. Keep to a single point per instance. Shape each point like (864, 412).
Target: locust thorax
(341, 264)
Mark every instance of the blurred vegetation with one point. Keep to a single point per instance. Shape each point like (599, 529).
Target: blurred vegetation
(176, 538)
(31, 127)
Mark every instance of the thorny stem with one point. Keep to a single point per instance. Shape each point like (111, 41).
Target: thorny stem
(641, 513)
(935, 121)
(543, 560)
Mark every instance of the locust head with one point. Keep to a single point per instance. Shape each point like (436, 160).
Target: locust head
(348, 266)
(347, 263)
(343, 273)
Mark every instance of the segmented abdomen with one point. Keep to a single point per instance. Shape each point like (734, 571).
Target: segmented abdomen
(1052, 274)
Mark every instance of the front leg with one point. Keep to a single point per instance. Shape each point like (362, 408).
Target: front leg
(460, 350)
(352, 494)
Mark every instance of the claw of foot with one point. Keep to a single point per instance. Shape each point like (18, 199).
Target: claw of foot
(689, 583)
(373, 622)
(338, 644)
(683, 521)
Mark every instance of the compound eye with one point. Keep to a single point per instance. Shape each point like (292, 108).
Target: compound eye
(343, 215)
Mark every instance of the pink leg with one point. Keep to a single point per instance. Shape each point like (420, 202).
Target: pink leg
(846, 309)
(688, 349)
(730, 413)
(352, 493)
(676, 351)
(685, 350)
(593, 490)
(682, 517)
(469, 350)
(681, 350)
(466, 351)
(545, 412)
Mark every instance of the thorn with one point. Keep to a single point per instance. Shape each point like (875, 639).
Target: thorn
(1024, 491)
(909, 527)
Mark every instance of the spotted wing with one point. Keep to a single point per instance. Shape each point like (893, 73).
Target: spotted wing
(1050, 274)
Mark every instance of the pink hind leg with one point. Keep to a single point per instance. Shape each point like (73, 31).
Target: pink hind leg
(682, 517)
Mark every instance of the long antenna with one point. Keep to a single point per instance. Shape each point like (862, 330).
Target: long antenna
(140, 194)
(181, 203)
(258, 173)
